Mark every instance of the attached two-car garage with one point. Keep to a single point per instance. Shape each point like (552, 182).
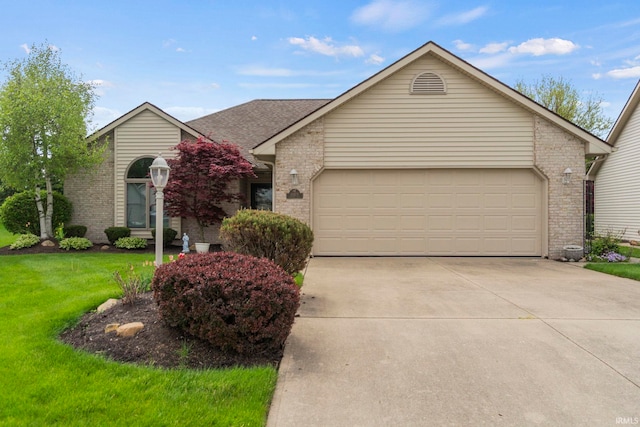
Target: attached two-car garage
(473, 212)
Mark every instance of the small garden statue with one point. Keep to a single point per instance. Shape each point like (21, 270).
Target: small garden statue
(185, 243)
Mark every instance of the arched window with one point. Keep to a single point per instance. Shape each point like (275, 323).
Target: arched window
(141, 202)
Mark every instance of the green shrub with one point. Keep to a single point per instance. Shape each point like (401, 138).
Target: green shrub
(75, 243)
(168, 235)
(236, 302)
(603, 244)
(280, 238)
(131, 243)
(19, 212)
(75, 230)
(25, 241)
(115, 233)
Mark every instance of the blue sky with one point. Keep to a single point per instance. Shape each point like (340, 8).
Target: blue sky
(192, 58)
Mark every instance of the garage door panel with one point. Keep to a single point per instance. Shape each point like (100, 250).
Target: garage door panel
(427, 212)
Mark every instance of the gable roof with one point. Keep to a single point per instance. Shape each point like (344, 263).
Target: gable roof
(618, 127)
(248, 124)
(139, 109)
(594, 144)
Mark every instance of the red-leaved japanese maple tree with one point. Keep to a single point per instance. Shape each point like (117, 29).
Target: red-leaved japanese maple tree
(200, 178)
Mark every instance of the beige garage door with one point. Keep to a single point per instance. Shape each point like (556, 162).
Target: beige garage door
(475, 212)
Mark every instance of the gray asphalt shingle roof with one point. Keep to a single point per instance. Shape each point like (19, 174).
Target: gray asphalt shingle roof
(251, 123)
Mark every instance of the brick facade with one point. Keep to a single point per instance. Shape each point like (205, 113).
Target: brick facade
(554, 151)
(304, 152)
(92, 196)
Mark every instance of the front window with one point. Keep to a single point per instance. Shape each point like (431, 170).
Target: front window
(141, 202)
(261, 196)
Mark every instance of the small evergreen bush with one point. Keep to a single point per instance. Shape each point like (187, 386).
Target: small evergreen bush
(75, 243)
(236, 302)
(168, 235)
(19, 213)
(131, 243)
(74, 230)
(280, 238)
(115, 233)
(25, 241)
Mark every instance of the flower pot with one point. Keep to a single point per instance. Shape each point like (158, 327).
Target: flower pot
(202, 248)
(574, 252)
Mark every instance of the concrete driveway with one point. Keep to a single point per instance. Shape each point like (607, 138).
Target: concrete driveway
(460, 341)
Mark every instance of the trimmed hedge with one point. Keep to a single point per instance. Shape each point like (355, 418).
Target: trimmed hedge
(168, 235)
(19, 213)
(115, 233)
(280, 238)
(235, 302)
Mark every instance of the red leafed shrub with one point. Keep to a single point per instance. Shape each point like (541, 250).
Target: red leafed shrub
(236, 302)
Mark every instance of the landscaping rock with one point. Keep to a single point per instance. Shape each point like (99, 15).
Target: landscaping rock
(111, 327)
(633, 243)
(129, 329)
(48, 243)
(105, 247)
(111, 302)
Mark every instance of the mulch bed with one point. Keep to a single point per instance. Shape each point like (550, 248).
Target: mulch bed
(157, 344)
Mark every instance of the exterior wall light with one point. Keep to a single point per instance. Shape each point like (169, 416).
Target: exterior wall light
(566, 176)
(294, 177)
(159, 171)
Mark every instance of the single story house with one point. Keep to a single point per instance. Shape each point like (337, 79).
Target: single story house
(430, 156)
(616, 176)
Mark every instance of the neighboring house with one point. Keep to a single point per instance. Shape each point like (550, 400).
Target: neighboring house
(616, 176)
(430, 156)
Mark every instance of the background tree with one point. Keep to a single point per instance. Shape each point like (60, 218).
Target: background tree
(560, 96)
(199, 181)
(44, 111)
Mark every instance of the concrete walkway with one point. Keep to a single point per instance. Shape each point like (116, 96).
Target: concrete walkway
(460, 341)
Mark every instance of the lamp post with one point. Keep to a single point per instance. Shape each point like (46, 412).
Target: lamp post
(159, 171)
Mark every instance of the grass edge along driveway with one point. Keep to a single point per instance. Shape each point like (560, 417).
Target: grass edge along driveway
(45, 382)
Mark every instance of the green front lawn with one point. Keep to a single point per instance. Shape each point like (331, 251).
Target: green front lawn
(6, 238)
(44, 382)
(629, 251)
(621, 269)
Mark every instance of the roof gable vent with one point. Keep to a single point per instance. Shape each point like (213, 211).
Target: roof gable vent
(428, 84)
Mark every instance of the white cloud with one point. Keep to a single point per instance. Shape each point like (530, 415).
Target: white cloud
(265, 72)
(99, 86)
(180, 49)
(214, 86)
(375, 59)
(254, 38)
(460, 45)
(391, 15)
(596, 76)
(326, 47)
(540, 46)
(168, 43)
(625, 73)
(26, 48)
(493, 48)
(487, 63)
(463, 17)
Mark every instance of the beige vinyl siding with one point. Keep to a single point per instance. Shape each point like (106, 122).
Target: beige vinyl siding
(144, 135)
(469, 126)
(617, 185)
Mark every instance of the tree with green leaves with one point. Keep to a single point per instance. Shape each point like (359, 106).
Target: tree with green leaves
(560, 96)
(44, 114)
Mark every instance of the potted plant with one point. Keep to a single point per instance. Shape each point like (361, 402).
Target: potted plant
(199, 182)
